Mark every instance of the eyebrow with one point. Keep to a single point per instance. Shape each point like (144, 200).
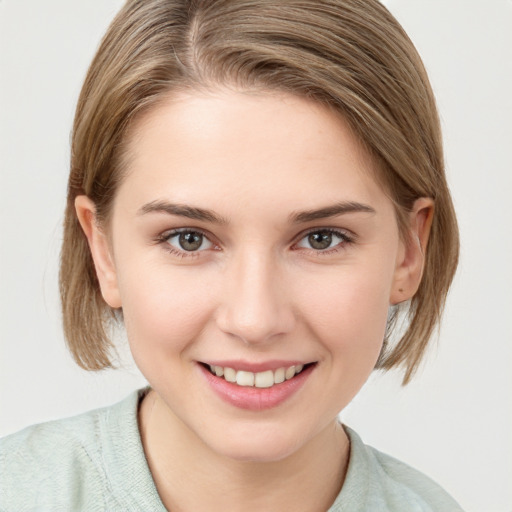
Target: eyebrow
(192, 212)
(330, 211)
(181, 210)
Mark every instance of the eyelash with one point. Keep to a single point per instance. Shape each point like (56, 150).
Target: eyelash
(347, 239)
(165, 237)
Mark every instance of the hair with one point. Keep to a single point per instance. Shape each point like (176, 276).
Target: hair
(350, 55)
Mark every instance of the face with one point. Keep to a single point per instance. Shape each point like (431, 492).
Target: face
(255, 258)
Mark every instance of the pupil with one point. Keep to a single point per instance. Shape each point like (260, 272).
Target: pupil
(191, 241)
(320, 240)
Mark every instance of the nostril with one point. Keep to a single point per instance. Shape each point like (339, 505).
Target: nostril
(253, 309)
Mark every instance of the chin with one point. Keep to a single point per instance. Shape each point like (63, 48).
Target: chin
(261, 446)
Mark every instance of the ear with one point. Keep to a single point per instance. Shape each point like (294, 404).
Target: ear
(100, 251)
(411, 259)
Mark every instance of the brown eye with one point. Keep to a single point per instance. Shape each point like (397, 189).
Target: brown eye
(188, 241)
(324, 239)
(320, 241)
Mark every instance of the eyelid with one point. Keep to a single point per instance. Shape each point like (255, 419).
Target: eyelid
(164, 237)
(348, 237)
(174, 231)
(186, 229)
(347, 233)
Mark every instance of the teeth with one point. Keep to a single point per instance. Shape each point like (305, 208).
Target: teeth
(290, 372)
(245, 378)
(264, 379)
(230, 374)
(279, 376)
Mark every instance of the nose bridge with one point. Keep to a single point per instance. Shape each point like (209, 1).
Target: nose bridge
(255, 306)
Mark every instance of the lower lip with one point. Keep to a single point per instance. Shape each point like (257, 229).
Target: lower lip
(252, 398)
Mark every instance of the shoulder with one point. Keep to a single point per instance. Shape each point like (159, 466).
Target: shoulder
(376, 481)
(67, 464)
(47, 464)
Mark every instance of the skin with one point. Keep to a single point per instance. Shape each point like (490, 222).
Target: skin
(256, 290)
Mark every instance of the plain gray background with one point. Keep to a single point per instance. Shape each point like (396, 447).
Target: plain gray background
(454, 422)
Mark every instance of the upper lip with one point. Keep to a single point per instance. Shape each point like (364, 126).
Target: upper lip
(254, 367)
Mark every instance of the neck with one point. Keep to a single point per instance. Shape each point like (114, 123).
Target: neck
(307, 480)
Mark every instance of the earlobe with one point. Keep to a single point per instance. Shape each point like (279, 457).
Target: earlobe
(100, 251)
(411, 260)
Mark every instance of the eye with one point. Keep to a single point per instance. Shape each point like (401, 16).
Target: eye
(324, 239)
(188, 240)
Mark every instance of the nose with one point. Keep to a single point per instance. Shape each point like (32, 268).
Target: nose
(255, 307)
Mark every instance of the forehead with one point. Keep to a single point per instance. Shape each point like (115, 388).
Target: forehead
(265, 147)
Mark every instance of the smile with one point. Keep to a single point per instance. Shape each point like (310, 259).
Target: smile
(267, 386)
(265, 379)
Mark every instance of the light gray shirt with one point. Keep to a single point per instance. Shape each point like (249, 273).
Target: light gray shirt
(95, 462)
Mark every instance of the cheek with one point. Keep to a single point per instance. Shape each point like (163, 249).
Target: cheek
(163, 311)
(346, 314)
(348, 310)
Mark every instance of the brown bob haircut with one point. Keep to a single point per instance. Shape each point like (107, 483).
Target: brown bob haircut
(350, 55)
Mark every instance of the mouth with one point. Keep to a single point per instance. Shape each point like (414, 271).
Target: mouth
(263, 379)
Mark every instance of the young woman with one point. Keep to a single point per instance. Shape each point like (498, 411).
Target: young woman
(257, 193)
